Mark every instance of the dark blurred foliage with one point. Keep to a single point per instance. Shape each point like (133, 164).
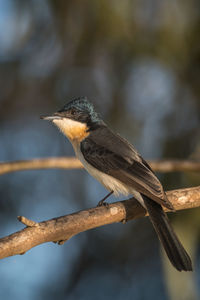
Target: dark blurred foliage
(139, 63)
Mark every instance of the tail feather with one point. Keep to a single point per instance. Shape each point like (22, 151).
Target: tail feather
(173, 247)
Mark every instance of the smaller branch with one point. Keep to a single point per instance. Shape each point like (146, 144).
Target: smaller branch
(175, 165)
(27, 222)
(73, 163)
(40, 163)
(63, 228)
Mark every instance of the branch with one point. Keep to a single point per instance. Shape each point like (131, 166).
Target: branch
(63, 228)
(40, 163)
(175, 165)
(73, 163)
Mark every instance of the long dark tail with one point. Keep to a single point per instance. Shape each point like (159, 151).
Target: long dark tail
(173, 247)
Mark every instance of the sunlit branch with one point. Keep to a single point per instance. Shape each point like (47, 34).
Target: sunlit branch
(63, 228)
(73, 163)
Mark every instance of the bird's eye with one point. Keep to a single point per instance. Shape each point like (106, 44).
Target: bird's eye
(73, 111)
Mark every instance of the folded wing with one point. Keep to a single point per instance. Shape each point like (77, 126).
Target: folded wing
(116, 157)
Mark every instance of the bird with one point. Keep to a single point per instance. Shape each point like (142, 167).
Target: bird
(117, 165)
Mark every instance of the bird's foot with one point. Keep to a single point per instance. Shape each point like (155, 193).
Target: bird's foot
(124, 221)
(60, 242)
(101, 202)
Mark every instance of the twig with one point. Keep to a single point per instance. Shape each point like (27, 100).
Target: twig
(175, 165)
(27, 222)
(40, 163)
(63, 228)
(73, 163)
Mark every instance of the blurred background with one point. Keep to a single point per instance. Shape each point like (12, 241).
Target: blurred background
(139, 63)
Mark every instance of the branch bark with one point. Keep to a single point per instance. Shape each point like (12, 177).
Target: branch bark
(63, 228)
(73, 163)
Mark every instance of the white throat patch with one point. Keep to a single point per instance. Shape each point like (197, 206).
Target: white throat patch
(74, 130)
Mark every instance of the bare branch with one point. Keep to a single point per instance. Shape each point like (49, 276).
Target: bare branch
(175, 165)
(73, 163)
(63, 228)
(40, 163)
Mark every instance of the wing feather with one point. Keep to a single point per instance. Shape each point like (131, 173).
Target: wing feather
(116, 157)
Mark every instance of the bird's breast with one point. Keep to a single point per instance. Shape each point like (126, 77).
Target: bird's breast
(109, 182)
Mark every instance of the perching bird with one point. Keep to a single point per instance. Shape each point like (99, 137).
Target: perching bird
(114, 162)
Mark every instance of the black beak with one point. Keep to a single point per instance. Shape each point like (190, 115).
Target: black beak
(55, 116)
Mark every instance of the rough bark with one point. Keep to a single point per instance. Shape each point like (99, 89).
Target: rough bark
(63, 228)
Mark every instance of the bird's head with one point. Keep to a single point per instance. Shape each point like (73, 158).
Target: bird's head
(76, 119)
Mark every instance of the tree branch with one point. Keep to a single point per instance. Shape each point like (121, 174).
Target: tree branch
(63, 228)
(40, 163)
(73, 163)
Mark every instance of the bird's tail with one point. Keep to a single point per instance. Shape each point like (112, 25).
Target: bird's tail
(173, 247)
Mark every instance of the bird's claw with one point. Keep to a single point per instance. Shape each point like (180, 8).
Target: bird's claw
(124, 221)
(102, 203)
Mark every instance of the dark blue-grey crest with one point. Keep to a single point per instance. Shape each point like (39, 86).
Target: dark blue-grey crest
(80, 109)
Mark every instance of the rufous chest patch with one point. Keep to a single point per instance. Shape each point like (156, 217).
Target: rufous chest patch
(74, 130)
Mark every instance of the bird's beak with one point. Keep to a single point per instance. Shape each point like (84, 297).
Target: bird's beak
(55, 116)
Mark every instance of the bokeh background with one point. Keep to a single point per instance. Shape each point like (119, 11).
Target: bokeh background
(139, 62)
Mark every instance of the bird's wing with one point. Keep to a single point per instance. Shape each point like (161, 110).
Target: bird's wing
(116, 157)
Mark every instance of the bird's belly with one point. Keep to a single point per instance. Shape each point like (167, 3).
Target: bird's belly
(109, 182)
